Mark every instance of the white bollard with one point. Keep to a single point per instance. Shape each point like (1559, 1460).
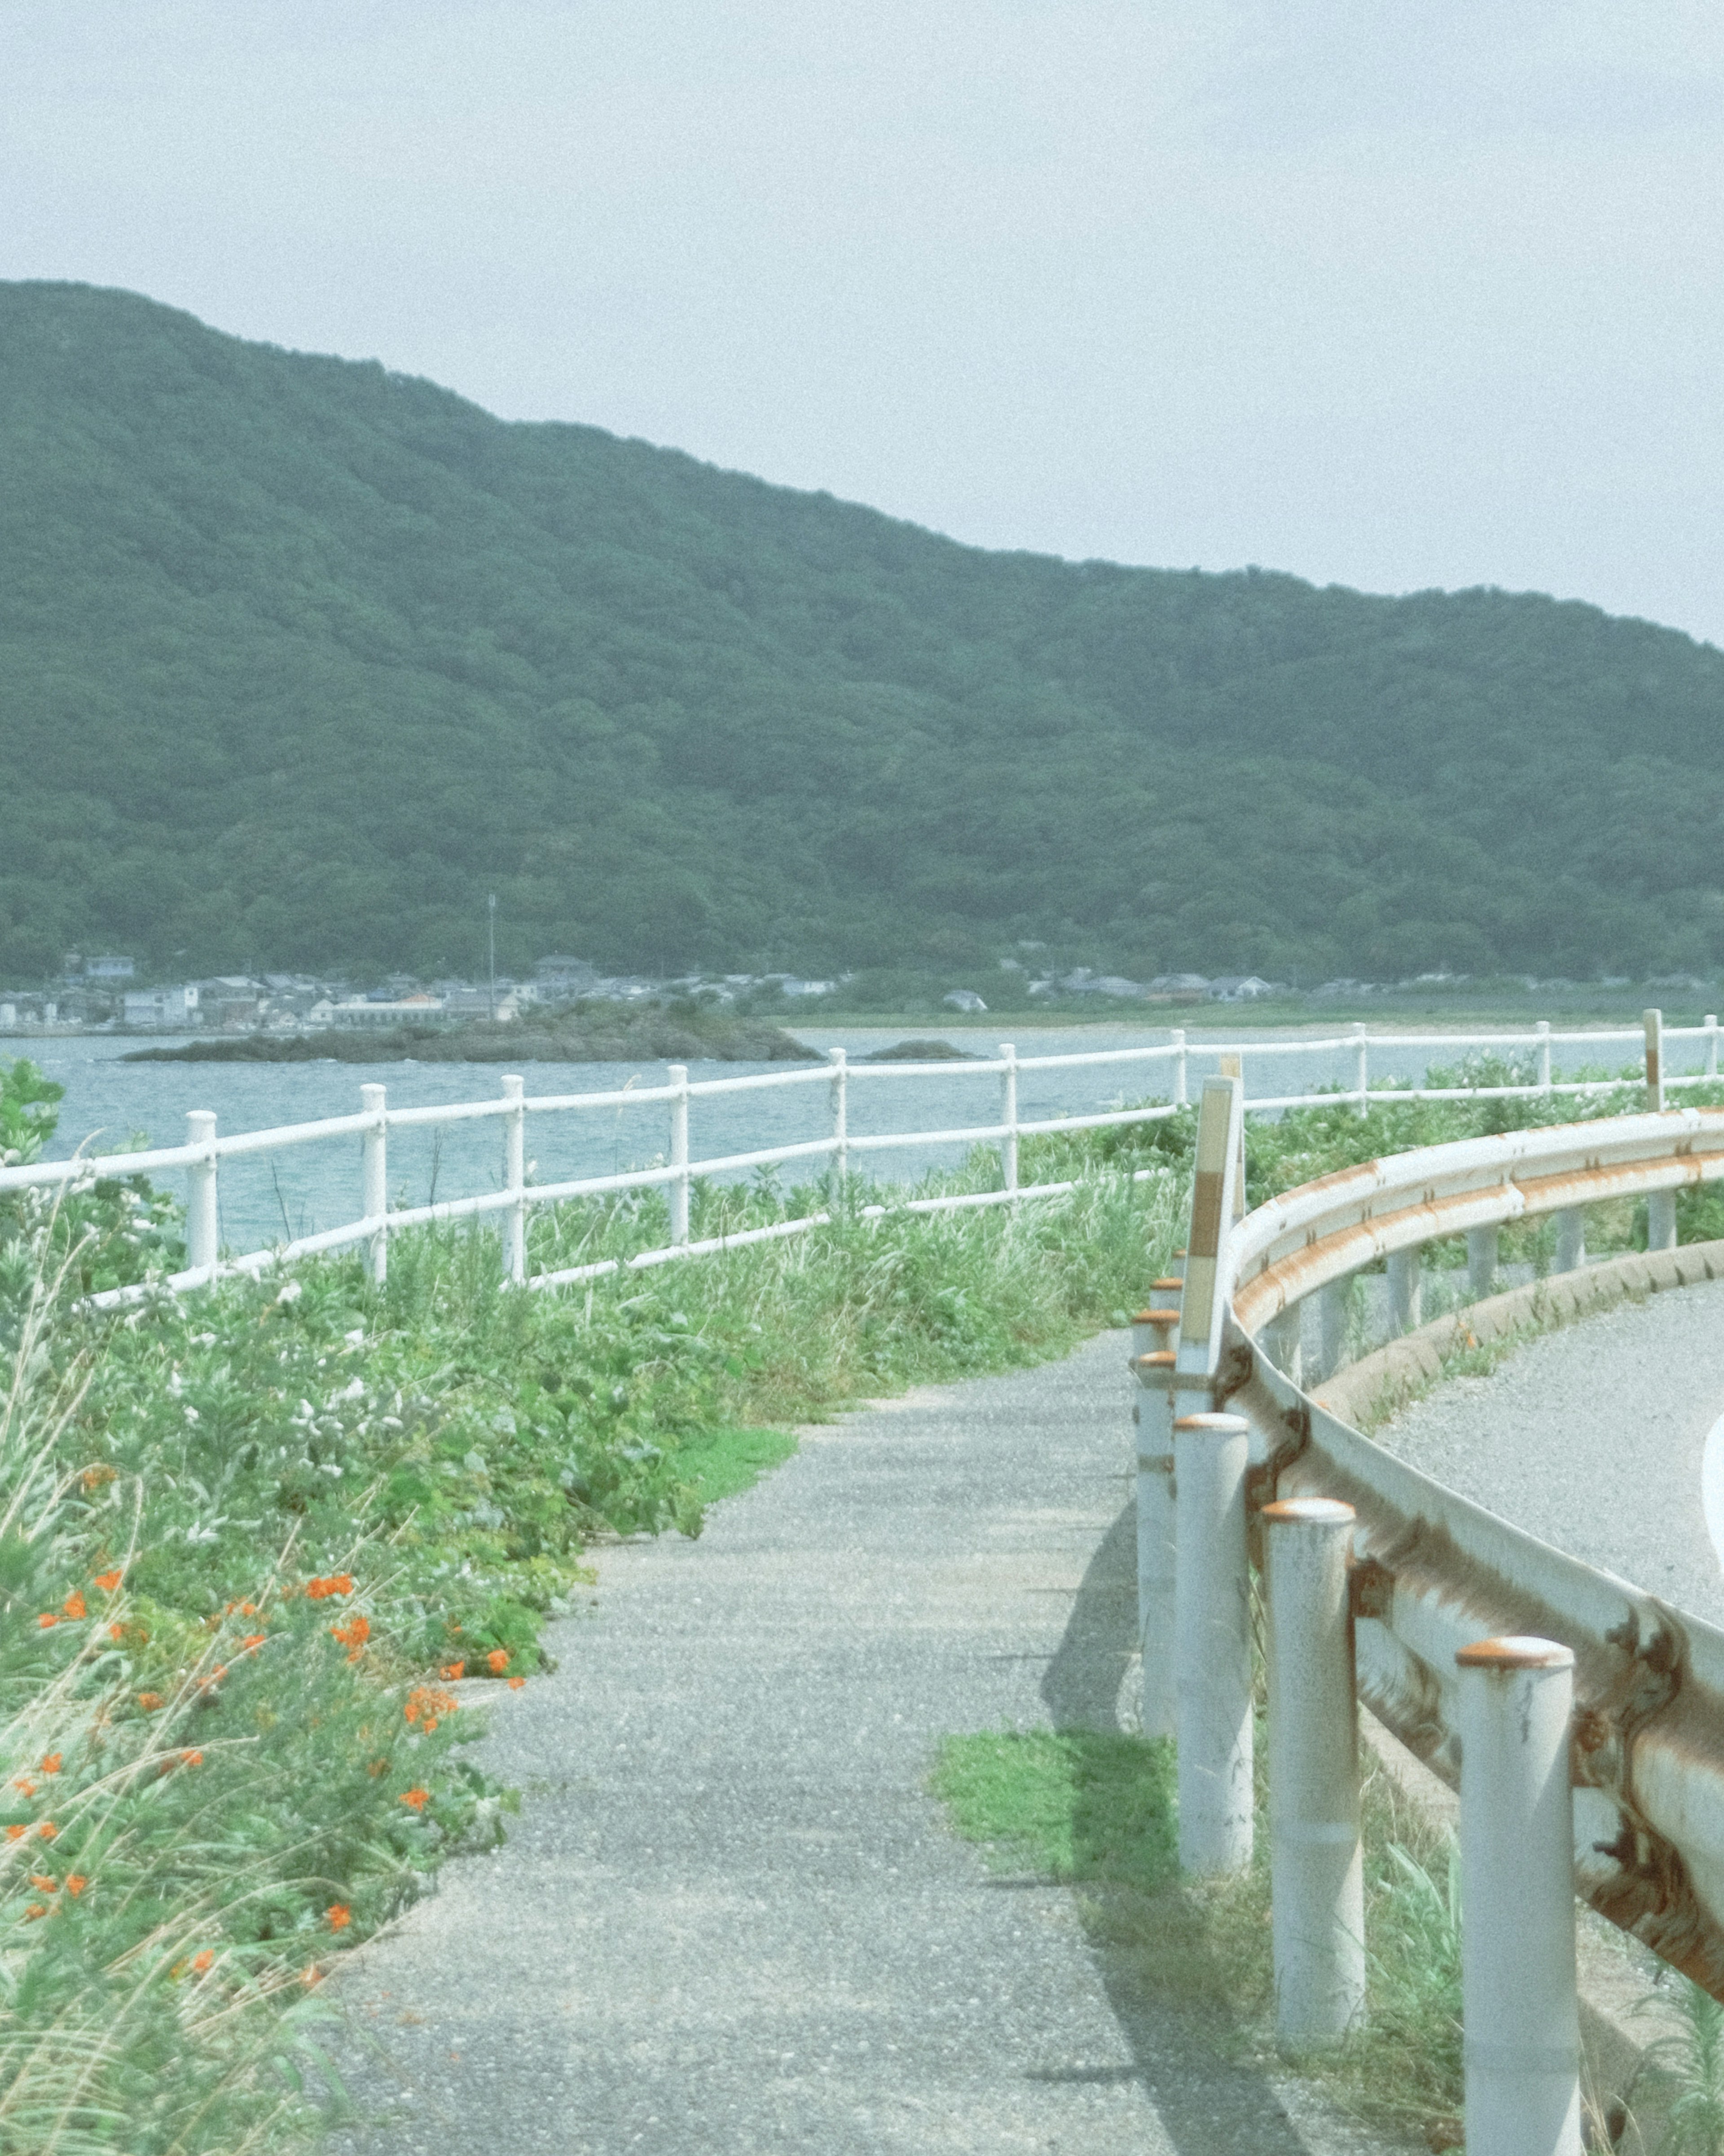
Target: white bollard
(1361, 1058)
(374, 1183)
(1571, 1239)
(1008, 1117)
(840, 1118)
(1213, 1636)
(1482, 1246)
(1544, 1055)
(1661, 1221)
(1317, 1872)
(680, 1155)
(515, 1182)
(1711, 1026)
(1405, 1291)
(1522, 2054)
(1182, 1092)
(1157, 1551)
(202, 1215)
(1334, 1307)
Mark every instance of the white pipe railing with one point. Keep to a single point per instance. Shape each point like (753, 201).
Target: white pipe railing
(202, 1156)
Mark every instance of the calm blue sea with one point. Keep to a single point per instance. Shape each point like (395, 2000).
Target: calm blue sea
(305, 1189)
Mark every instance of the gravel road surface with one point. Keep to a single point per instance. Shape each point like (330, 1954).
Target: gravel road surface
(1591, 1438)
(730, 1917)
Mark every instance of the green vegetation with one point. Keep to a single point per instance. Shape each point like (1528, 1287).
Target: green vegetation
(586, 1032)
(299, 658)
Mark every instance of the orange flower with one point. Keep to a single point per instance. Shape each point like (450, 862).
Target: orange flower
(498, 1658)
(515, 1683)
(51, 1764)
(352, 1636)
(16, 1833)
(73, 1603)
(46, 1619)
(36, 1909)
(47, 1829)
(453, 1670)
(311, 1975)
(150, 1700)
(24, 1785)
(93, 1478)
(75, 1883)
(109, 1582)
(43, 1884)
(252, 1641)
(337, 1582)
(418, 1799)
(116, 1631)
(191, 1758)
(203, 1961)
(340, 1916)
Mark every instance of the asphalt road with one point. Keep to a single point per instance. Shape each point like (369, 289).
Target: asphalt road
(730, 1917)
(1591, 1438)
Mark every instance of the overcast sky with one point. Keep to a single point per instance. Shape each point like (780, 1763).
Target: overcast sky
(1385, 293)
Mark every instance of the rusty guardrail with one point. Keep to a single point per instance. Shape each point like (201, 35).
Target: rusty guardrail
(1452, 1620)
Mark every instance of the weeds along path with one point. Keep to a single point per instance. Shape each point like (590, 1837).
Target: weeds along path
(1591, 1438)
(729, 1917)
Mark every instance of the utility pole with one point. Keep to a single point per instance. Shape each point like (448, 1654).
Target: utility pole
(491, 910)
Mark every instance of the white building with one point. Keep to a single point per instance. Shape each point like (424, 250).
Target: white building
(964, 999)
(109, 969)
(177, 1008)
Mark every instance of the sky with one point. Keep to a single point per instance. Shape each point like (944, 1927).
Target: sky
(1390, 295)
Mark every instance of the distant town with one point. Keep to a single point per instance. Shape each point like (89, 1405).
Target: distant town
(108, 993)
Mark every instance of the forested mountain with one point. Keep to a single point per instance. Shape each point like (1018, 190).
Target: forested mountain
(300, 658)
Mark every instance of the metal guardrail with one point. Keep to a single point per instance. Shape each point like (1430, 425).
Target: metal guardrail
(200, 1156)
(1581, 1717)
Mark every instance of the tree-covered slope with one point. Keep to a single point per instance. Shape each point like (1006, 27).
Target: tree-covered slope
(299, 658)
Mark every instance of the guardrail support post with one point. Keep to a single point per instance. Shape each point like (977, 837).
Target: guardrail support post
(374, 1183)
(679, 1074)
(202, 1216)
(1286, 1343)
(1544, 1055)
(1654, 1022)
(840, 1118)
(514, 1181)
(1660, 1220)
(1181, 1094)
(1212, 1633)
(1482, 1246)
(1008, 1117)
(1711, 1026)
(1517, 1698)
(1157, 1548)
(1317, 1874)
(1361, 1052)
(1334, 1306)
(1571, 1239)
(1405, 1297)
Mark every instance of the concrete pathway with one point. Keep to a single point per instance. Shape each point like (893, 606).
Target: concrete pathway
(1591, 1438)
(730, 1918)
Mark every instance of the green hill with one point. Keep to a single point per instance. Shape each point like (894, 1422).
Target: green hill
(300, 658)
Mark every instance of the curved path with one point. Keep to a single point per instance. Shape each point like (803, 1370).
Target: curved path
(730, 1918)
(1591, 1438)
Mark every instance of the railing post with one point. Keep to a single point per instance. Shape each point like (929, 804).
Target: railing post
(514, 1181)
(1544, 1055)
(1481, 1248)
(374, 1183)
(840, 1118)
(1519, 2003)
(1286, 1343)
(1361, 1054)
(1317, 1874)
(1234, 1066)
(1404, 1289)
(202, 1216)
(1711, 1025)
(680, 1155)
(1571, 1239)
(1213, 1635)
(1182, 1094)
(1653, 1020)
(1008, 1117)
(1334, 1308)
(1661, 1221)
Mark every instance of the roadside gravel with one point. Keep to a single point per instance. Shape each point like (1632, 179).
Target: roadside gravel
(1591, 1438)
